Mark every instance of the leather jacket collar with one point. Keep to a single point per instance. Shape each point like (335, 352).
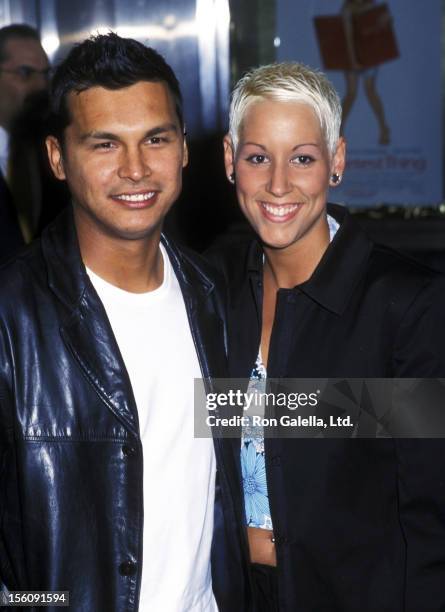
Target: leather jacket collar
(61, 252)
(87, 331)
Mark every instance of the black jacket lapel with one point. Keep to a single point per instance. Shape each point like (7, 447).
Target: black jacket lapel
(205, 311)
(90, 339)
(86, 330)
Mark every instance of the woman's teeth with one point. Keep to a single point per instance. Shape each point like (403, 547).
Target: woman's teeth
(279, 211)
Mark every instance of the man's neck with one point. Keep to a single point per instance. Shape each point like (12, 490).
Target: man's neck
(132, 265)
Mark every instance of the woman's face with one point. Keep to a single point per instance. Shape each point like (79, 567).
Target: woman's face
(282, 168)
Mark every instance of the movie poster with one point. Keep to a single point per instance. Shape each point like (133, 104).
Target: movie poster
(385, 61)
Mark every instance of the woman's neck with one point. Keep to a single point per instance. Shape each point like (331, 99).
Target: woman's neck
(295, 264)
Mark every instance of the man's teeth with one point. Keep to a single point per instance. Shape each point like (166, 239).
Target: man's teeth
(137, 197)
(279, 211)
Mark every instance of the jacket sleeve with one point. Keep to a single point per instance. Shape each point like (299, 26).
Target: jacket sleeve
(6, 435)
(420, 352)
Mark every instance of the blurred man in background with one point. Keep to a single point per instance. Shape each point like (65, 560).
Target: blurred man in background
(24, 70)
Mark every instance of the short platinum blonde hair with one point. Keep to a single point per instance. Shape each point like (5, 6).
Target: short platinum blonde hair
(288, 82)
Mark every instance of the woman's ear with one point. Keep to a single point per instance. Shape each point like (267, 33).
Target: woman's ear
(229, 157)
(339, 158)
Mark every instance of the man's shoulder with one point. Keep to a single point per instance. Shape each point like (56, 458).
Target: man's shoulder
(196, 260)
(195, 267)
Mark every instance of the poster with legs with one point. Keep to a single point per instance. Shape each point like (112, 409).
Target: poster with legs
(384, 59)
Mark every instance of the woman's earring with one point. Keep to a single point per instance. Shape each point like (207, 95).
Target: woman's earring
(335, 178)
(231, 177)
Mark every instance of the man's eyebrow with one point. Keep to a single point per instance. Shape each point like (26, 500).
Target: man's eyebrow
(159, 129)
(99, 136)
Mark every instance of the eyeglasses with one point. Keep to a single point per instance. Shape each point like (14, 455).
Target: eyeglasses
(27, 73)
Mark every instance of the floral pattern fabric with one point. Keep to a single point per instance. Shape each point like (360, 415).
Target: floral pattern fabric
(253, 467)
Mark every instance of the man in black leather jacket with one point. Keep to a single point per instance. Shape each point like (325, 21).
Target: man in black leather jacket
(74, 455)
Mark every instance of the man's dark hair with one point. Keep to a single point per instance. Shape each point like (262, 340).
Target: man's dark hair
(112, 62)
(15, 30)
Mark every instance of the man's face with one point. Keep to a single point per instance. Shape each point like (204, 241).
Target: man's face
(123, 155)
(24, 71)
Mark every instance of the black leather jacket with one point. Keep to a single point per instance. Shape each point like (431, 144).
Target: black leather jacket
(71, 505)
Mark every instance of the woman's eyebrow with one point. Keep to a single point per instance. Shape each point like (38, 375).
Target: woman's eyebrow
(306, 144)
(254, 144)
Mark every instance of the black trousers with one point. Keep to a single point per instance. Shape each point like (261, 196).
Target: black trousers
(265, 587)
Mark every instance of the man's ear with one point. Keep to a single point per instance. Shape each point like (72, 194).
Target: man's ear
(229, 157)
(185, 154)
(54, 150)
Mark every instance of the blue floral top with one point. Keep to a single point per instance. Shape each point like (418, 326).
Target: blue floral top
(253, 466)
(256, 501)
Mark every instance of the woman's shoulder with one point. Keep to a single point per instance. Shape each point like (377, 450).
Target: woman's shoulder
(356, 251)
(401, 267)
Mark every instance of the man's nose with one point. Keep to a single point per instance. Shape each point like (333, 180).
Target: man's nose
(134, 165)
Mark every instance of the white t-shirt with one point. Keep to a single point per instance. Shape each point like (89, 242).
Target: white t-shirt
(154, 337)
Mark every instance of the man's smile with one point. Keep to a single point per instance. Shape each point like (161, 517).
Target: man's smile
(139, 198)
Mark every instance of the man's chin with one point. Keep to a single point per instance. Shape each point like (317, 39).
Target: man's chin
(134, 234)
